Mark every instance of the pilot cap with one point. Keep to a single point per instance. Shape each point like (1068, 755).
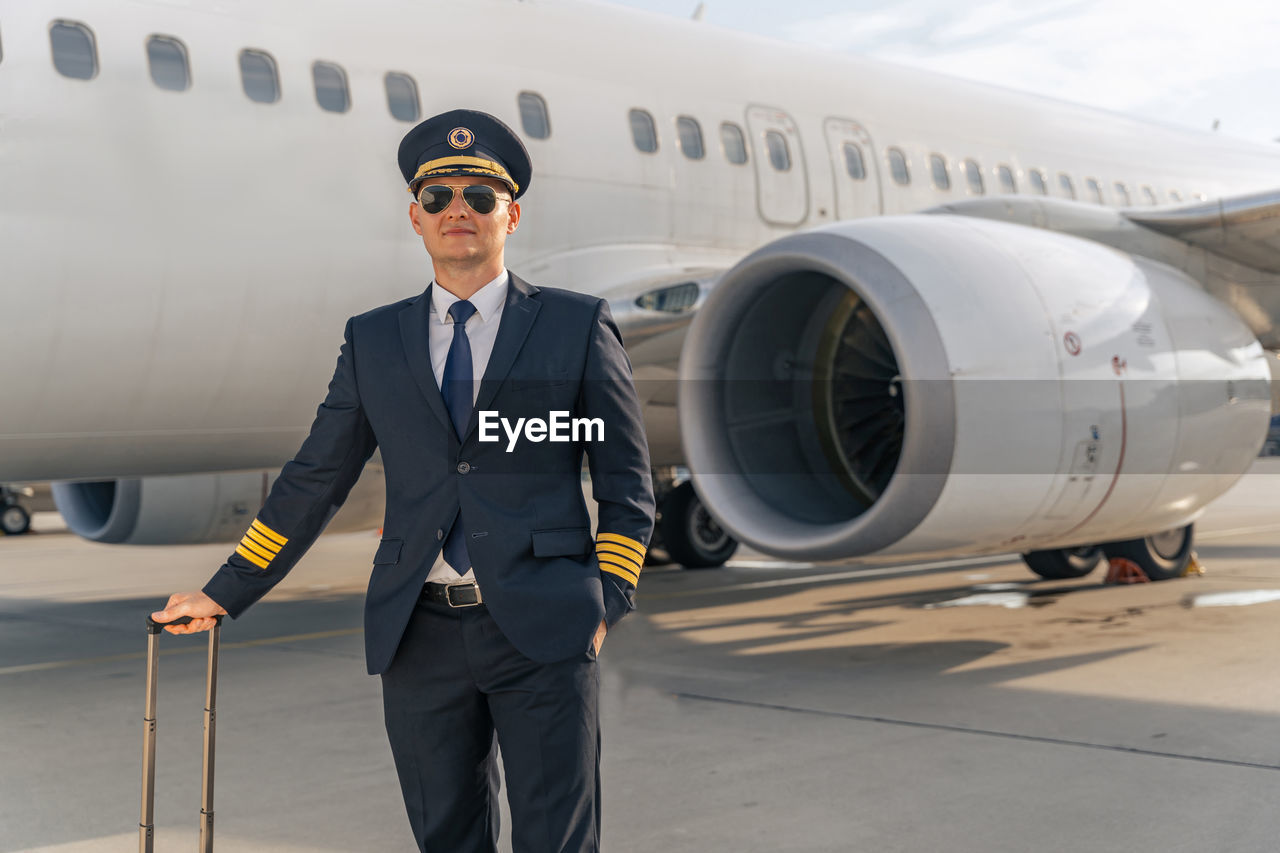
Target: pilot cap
(464, 142)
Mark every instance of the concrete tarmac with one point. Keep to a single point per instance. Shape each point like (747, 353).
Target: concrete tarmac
(760, 707)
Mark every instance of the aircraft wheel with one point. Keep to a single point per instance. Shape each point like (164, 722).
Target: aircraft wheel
(14, 519)
(1162, 556)
(1064, 563)
(690, 535)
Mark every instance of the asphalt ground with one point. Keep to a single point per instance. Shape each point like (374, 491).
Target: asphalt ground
(760, 707)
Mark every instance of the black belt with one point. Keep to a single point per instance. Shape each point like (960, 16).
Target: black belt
(463, 594)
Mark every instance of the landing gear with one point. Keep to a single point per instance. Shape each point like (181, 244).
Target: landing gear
(687, 533)
(1064, 563)
(1162, 556)
(14, 519)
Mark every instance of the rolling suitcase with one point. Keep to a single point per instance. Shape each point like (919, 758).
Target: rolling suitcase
(146, 827)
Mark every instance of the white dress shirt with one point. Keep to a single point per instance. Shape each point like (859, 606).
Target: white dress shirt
(482, 331)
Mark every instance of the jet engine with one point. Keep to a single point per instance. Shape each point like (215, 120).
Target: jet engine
(192, 509)
(937, 384)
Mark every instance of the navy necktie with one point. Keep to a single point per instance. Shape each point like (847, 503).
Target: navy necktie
(458, 394)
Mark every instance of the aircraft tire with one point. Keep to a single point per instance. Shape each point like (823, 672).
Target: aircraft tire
(1064, 563)
(1162, 556)
(690, 535)
(14, 519)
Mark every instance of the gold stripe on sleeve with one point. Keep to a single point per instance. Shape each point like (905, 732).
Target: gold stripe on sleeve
(605, 567)
(625, 541)
(262, 542)
(249, 545)
(624, 572)
(625, 554)
(252, 557)
(269, 533)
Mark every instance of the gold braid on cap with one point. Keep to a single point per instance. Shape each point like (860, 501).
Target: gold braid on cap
(477, 165)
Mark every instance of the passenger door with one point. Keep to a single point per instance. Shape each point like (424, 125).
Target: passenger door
(855, 169)
(782, 185)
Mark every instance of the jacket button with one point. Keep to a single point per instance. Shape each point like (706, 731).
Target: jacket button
(464, 467)
(439, 533)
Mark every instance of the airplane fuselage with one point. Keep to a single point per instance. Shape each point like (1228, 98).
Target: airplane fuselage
(177, 265)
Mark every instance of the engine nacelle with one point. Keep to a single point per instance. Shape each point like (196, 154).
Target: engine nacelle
(192, 509)
(941, 384)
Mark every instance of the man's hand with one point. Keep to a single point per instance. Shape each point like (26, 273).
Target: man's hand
(200, 607)
(598, 640)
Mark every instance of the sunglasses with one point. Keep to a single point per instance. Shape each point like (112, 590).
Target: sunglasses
(480, 198)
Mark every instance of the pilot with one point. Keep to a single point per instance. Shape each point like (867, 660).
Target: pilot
(489, 597)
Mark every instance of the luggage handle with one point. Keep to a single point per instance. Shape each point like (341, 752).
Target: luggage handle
(146, 826)
(154, 627)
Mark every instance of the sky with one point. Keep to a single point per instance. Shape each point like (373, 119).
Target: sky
(1182, 63)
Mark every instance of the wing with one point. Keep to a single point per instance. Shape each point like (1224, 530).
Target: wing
(1245, 229)
(1231, 246)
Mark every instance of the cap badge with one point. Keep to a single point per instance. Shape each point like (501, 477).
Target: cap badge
(460, 137)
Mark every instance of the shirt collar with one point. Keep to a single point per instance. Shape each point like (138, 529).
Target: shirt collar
(487, 299)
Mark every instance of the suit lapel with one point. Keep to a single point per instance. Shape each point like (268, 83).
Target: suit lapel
(518, 313)
(415, 322)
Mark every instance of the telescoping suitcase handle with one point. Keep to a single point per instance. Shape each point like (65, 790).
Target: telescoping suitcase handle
(146, 827)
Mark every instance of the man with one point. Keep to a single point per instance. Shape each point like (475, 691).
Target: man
(488, 603)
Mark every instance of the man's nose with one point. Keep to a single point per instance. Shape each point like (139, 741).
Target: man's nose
(457, 207)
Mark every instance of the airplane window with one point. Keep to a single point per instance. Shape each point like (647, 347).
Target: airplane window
(1174, 195)
(73, 50)
(779, 152)
(643, 131)
(533, 115)
(973, 174)
(331, 87)
(1038, 183)
(402, 96)
(258, 76)
(941, 174)
(1149, 195)
(735, 145)
(1122, 192)
(853, 162)
(898, 167)
(1095, 190)
(167, 59)
(1065, 184)
(1007, 183)
(690, 133)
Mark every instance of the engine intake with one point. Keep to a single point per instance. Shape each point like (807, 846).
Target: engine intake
(794, 414)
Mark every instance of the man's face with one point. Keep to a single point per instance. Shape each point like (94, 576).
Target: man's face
(458, 234)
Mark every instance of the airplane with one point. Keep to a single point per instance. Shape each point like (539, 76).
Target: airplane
(870, 309)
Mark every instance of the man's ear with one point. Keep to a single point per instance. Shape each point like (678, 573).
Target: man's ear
(513, 216)
(414, 207)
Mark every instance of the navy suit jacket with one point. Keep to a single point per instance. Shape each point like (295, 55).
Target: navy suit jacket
(544, 580)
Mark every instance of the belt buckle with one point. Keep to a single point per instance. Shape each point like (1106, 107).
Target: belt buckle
(448, 594)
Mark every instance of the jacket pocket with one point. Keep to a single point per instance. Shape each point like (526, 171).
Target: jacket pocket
(388, 552)
(561, 542)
